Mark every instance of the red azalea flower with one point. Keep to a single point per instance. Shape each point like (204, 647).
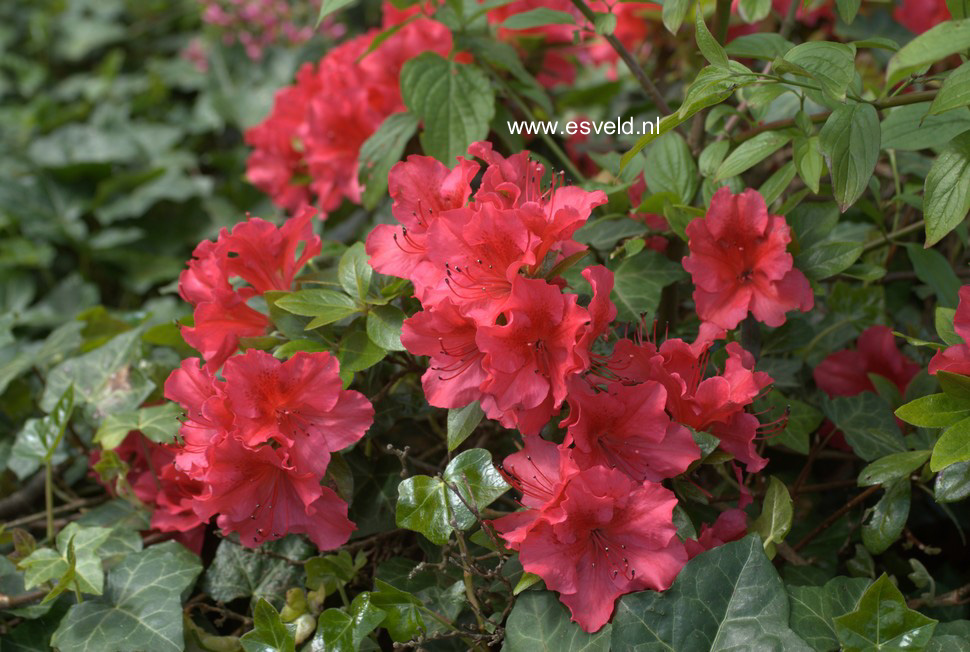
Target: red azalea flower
(530, 356)
(207, 418)
(626, 428)
(455, 374)
(920, 15)
(846, 373)
(738, 263)
(220, 324)
(298, 404)
(611, 536)
(539, 472)
(712, 403)
(262, 496)
(956, 359)
(265, 256)
(730, 525)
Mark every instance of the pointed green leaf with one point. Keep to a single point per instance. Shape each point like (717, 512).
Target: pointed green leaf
(850, 141)
(882, 621)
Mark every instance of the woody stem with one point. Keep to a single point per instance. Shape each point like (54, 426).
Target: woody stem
(839, 513)
(631, 63)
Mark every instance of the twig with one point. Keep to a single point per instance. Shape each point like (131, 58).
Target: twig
(14, 601)
(631, 63)
(889, 237)
(952, 598)
(812, 454)
(24, 498)
(839, 513)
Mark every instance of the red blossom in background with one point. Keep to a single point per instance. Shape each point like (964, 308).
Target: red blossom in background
(956, 358)
(920, 15)
(846, 373)
(739, 263)
(307, 147)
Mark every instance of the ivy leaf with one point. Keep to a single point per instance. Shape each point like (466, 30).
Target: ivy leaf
(140, 609)
(729, 598)
(269, 634)
(160, 423)
(462, 422)
(850, 141)
(455, 101)
(430, 505)
(867, 423)
(402, 611)
(887, 519)
(340, 631)
(239, 572)
(639, 281)
(776, 515)
(540, 623)
(44, 564)
(814, 608)
(946, 192)
(882, 621)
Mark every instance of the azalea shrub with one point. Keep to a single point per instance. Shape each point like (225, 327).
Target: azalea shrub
(484, 324)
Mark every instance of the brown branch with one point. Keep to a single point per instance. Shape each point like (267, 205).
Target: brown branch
(952, 598)
(14, 601)
(839, 513)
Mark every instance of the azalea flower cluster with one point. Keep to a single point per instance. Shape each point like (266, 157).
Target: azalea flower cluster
(256, 24)
(256, 444)
(956, 358)
(256, 252)
(307, 148)
(500, 330)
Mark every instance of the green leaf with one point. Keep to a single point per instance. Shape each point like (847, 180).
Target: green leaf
(751, 152)
(934, 411)
(808, 161)
(831, 64)
(867, 423)
(674, 12)
(140, 609)
(729, 598)
(777, 183)
(835, 253)
(381, 151)
(462, 422)
(160, 423)
(953, 446)
(708, 45)
(946, 199)
(848, 9)
(892, 467)
(325, 306)
(327, 7)
(455, 101)
(763, 45)
(603, 233)
(776, 514)
(955, 91)
(240, 572)
(526, 581)
(803, 420)
(935, 270)
(670, 168)
(754, 10)
(357, 352)
(955, 385)
(943, 321)
(403, 616)
(384, 327)
(958, 8)
(929, 47)
(269, 634)
(953, 483)
(882, 621)
(605, 23)
(850, 144)
(639, 281)
(106, 380)
(44, 564)
(885, 522)
(911, 128)
(953, 636)
(354, 272)
(430, 505)
(814, 608)
(339, 631)
(540, 623)
(538, 18)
